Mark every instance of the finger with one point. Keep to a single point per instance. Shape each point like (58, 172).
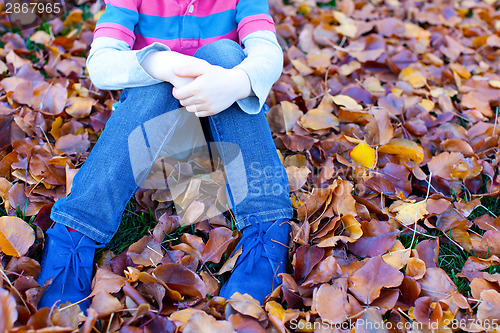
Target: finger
(201, 114)
(189, 101)
(192, 108)
(184, 92)
(191, 71)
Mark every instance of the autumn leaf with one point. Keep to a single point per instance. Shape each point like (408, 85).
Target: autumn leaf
(364, 155)
(218, 241)
(202, 322)
(409, 212)
(366, 281)
(403, 147)
(329, 301)
(105, 304)
(16, 236)
(8, 310)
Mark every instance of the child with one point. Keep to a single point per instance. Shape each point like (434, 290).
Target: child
(165, 55)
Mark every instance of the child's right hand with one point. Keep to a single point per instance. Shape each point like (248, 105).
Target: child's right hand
(162, 64)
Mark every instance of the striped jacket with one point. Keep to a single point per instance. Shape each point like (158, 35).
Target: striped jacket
(182, 25)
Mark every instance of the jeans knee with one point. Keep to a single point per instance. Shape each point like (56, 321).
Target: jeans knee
(161, 89)
(225, 53)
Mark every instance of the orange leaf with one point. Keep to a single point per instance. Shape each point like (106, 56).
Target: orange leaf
(16, 236)
(403, 147)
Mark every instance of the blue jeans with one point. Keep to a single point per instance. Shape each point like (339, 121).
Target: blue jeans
(106, 181)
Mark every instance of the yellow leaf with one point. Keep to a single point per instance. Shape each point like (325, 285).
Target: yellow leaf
(373, 85)
(397, 256)
(275, 309)
(413, 76)
(409, 212)
(348, 69)
(460, 70)
(364, 155)
(347, 26)
(495, 83)
(56, 128)
(347, 102)
(427, 104)
(16, 236)
(352, 226)
(405, 148)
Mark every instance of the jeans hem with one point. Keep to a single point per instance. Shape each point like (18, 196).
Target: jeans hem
(265, 217)
(84, 228)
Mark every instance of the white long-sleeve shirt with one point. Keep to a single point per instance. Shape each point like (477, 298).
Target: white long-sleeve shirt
(112, 65)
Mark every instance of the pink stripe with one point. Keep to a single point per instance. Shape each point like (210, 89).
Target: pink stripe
(206, 8)
(175, 44)
(254, 23)
(128, 4)
(201, 8)
(114, 30)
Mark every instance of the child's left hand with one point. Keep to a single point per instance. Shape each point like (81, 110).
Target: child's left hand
(213, 90)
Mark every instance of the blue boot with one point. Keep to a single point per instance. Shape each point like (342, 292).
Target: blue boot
(68, 259)
(264, 256)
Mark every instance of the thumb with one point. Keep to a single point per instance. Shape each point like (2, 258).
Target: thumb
(191, 71)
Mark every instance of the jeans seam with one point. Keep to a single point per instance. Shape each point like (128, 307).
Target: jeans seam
(219, 136)
(81, 224)
(143, 178)
(156, 155)
(245, 219)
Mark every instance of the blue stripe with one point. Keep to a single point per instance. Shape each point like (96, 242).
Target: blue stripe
(122, 16)
(171, 27)
(248, 8)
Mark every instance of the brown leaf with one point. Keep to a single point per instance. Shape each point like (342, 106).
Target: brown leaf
(378, 237)
(8, 312)
(489, 308)
(247, 305)
(305, 258)
(371, 322)
(105, 304)
(73, 144)
(323, 272)
(366, 282)
(181, 279)
(147, 251)
(328, 301)
(436, 284)
(202, 322)
(106, 281)
(218, 241)
(54, 100)
(79, 107)
(297, 177)
(244, 324)
(282, 117)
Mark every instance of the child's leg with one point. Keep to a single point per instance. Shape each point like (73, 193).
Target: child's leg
(101, 189)
(259, 187)
(104, 184)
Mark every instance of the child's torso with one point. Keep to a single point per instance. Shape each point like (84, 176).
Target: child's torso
(185, 26)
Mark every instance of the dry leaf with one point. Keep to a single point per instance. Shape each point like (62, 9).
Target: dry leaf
(16, 236)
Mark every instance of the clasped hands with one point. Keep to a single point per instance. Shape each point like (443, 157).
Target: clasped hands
(202, 88)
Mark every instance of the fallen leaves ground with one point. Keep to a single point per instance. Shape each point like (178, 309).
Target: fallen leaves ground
(386, 117)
